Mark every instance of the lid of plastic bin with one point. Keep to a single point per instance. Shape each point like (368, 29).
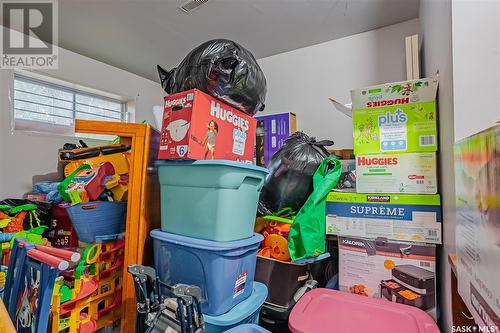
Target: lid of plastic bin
(321, 308)
(205, 244)
(243, 309)
(213, 162)
(247, 328)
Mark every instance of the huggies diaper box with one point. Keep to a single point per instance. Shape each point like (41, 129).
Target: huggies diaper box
(399, 272)
(198, 126)
(413, 173)
(395, 118)
(400, 217)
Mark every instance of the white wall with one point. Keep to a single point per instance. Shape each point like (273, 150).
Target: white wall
(435, 25)
(476, 65)
(23, 155)
(301, 81)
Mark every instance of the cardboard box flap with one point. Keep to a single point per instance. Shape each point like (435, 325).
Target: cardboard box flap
(421, 90)
(344, 108)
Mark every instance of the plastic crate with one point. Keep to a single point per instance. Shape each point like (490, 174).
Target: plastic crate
(213, 200)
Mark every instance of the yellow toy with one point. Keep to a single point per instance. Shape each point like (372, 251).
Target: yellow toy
(117, 155)
(96, 291)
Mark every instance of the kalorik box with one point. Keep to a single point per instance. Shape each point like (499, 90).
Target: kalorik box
(400, 272)
(395, 117)
(400, 217)
(198, 126)
(413, 173)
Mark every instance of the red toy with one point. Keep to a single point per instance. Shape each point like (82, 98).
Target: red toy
(198, 126)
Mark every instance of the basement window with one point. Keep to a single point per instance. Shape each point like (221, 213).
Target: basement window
(46, 107)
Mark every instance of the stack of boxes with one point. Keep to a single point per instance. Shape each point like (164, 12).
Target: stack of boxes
(387, 229)
(208, 205)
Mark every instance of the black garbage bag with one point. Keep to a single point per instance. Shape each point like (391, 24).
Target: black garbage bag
(291, 169)
(223, 69)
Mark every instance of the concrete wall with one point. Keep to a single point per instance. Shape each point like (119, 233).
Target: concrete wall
(301, 81)
(435, 25)
(23, 155)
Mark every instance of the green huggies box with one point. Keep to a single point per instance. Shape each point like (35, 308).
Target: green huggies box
(395, 117)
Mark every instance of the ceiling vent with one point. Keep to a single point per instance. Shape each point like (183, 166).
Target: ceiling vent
(189, 6)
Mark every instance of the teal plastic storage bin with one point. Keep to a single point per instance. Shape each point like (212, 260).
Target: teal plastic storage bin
(246, 312)
(213, 200)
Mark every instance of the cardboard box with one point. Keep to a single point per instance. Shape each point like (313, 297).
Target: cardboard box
(200, 127)
(342, 154)
(477, 186)
(61, 232)
(413, 173)
(272, 131)
(396, 271)
(400, 217)
(395, 117)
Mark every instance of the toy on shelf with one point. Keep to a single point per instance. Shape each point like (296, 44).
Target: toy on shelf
(12, 218)
(275, 230)
(118, 155)
(90, 297)
(33, 235)
(28, 288)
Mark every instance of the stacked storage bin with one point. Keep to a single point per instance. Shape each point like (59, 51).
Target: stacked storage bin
(393, 221)
(206, 239)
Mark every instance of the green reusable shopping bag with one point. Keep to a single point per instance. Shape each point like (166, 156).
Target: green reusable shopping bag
(307, 234)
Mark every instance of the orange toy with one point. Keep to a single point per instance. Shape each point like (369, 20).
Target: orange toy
(278, 246)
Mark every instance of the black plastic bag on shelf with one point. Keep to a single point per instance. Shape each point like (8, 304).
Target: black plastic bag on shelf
(223, 69)
(291, 169)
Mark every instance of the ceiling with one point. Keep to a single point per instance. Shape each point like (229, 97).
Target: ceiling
(135, 35)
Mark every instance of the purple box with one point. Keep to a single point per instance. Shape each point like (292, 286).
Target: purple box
(272, 131)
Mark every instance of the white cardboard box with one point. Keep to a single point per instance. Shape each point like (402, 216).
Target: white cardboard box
(413, 173)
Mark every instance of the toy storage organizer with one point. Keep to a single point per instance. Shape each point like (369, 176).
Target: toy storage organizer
(141, 204)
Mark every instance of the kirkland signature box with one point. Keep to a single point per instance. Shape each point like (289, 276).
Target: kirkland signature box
(395, 117)
(400, 272)
(412, 173)
(401, 217)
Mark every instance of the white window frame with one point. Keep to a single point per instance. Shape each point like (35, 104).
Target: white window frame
(126, 112)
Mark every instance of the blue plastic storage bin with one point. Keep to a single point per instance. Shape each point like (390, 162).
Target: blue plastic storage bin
(223, 270)
(214, 200)
(248, 328)
(247, 312)
(97, 218)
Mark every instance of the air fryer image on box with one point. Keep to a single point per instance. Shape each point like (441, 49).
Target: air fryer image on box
(399, 272)
(410, 285)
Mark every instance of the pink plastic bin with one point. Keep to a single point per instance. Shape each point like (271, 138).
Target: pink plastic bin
(324, 310)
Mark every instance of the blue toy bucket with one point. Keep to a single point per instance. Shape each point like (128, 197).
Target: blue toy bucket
(97, 218)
